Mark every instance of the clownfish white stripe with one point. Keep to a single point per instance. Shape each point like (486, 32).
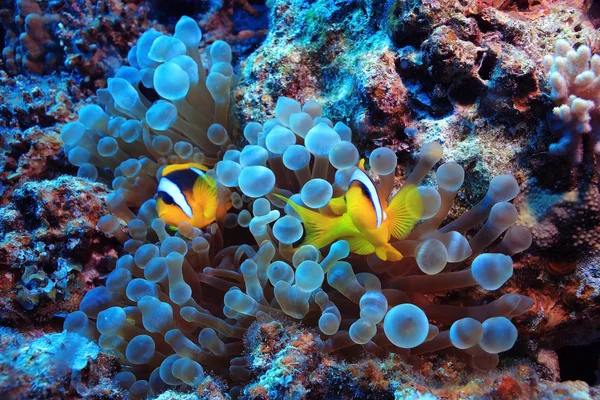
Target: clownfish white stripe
(360, 176)
(167, 186)
(198, 171)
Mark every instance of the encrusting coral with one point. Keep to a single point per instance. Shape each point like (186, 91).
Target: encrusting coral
(161, 311)
(87, 36)
(57, 365)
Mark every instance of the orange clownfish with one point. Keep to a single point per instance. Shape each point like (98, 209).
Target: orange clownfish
(187, 193)
(363, 219)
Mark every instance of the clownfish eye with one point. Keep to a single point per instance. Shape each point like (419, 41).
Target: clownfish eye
(167, 199)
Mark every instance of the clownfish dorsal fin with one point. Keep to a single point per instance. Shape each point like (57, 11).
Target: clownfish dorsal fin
(205, 193)
(338, 205)
(404, 211)
(180, 167)
(361, 164)
(370, 192)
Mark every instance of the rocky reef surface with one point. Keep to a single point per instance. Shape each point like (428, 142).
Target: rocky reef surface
(467, 74)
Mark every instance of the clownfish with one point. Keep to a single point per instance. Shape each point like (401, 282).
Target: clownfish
(362, 219)
(187, 193)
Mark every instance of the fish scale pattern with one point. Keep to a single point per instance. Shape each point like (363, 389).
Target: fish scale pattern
(179, 302)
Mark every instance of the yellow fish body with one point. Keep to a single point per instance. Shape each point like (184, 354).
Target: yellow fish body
(187, 193)
(363, 220)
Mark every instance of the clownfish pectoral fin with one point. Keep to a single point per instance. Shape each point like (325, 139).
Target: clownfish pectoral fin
(359, 245)
(404, 211)
(224, 203)
(338, 205)
(206, 195)
(172, 228)
(381, 253)
(321, 230)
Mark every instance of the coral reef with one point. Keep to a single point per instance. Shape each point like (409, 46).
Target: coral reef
(241, 23)
(572, 77)
(47, 220)
(354, 58)
(278, 289)
(92, 38)
(31, 46)
(35, 102)
(58, 365)
(475, 80)
(48, 233)
(89, 37)
(392, 66)
(168, 289)
(288, 366)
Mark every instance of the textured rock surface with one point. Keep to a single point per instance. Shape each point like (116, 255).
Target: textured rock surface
(47, 219)
(430, 65)
(48, 237)
(288, 365)
(58, 365)
(90, 37)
